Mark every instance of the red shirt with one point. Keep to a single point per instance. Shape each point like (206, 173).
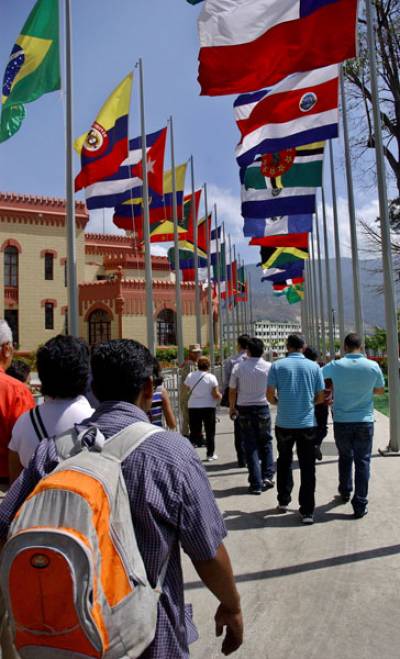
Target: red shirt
(15, 399)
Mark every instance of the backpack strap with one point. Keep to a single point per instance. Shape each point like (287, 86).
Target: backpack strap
(37, 423)
(121, 445)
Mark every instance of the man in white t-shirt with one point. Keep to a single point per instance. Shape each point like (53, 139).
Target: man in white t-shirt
(63, 368)
(204, 395)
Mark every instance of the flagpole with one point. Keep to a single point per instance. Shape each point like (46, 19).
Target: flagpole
(321, 295)
(311, 302)
(316, 304)
(221, 323)
(389, 290)
(226, 301)
(246, 300)
(358, 312)
(196, 256)
(235, 302)
(231, 302)
(178, 292)
(73, 310)
(146, 222)
(328, 279)
(210, 303)
(338, 259)
(251, 311)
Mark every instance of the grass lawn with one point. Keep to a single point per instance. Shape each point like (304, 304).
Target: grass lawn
(382, 403)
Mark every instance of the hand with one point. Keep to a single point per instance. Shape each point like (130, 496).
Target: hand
(233, 413)
(233, 621)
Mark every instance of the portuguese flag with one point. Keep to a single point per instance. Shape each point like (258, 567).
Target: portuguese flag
(33, 68)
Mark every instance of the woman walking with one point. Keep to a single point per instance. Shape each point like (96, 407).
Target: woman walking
(204, 395)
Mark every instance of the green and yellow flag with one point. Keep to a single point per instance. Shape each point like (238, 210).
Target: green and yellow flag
(33, 68)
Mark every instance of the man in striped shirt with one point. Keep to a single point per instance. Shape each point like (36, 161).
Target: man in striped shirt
(248, 403)
(296, 385)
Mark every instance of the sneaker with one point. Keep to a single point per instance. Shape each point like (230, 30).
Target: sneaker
(318, 453)
(254, 490)
(211, 458)
(282, 508)
(307, 519)
(345, 498)
(268, 483)
(358, 514)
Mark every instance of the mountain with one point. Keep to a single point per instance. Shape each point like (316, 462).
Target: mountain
(266, 306)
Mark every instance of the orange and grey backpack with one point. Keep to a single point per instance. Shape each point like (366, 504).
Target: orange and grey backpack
(72, 575)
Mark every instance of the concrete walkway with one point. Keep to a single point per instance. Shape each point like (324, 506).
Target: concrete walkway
(327, 591)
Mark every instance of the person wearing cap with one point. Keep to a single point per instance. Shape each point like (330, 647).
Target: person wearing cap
(189, 365)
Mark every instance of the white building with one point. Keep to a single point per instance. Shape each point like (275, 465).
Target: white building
(275, 334)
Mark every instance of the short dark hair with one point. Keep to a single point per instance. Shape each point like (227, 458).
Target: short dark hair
(158, 378)
(19, 370)
(353, 341)
(243, 340)
(296, 342)
(255, 347)
(203, 364)
(63, 367)
(120, 369)
(311, 354)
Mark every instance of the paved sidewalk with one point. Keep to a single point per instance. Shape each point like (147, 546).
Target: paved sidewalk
(322, 592)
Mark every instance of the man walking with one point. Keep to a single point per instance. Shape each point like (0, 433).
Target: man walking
(229, 365)
(171, 501)
(248, 402)
(299, 385)
(189, 366)
(355, 381)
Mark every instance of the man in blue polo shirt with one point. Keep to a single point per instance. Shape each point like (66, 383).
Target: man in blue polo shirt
(299, 386)
(355, 381)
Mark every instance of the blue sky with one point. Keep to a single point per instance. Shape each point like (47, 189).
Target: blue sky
(109, 37)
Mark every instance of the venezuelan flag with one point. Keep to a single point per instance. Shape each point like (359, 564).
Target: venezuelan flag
(106, 145)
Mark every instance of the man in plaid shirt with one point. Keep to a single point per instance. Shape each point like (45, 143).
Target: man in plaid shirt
(172, 504)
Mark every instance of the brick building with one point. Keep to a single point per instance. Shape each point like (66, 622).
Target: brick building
(33, 278)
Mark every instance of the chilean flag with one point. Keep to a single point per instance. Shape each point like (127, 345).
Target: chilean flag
(249, 44)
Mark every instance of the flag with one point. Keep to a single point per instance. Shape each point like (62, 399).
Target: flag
(279, 257)
(272, 226)
(301, 109)
(202, 241)
(125, 183)
(290, 240)
(278, 288)
(297, 167)
(33, 68)
(215, 242)
(105, 145)
(295, 293)
(241, 295)
(270, 203)
(279, 275)
(251, 44)
(160, 207)
(230, 285)
(186, 259)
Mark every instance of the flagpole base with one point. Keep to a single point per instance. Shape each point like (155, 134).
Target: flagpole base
(387, 451)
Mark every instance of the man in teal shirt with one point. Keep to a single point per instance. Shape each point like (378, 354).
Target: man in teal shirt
(355, 381)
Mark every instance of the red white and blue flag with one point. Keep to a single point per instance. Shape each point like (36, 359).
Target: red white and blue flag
(277, 226)
(246, 45)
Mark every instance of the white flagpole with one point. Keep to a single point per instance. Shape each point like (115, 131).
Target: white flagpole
(210, 303)
(146, 223)
(315, 292)
(321, 294)
(178, 292)
(220, 315)
(73, 310)
(196, 256)
(328, 279)
(226, 301)
(338, 257)
(389, 290)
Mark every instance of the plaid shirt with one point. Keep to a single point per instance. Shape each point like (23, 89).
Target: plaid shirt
(172, 505)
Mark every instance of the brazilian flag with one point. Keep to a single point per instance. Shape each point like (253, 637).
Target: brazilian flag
(33, 68)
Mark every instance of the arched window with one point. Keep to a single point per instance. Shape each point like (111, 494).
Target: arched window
(99, 327)
(49, 266)
(166, 328)
(49, 315)
(11, 267)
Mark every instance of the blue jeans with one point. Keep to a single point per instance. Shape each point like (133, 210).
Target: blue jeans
(254, 423)
(354, 443)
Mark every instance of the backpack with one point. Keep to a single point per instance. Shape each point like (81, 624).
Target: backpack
(72, 575)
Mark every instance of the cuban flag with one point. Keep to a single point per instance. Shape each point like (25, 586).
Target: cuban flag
(246, 45)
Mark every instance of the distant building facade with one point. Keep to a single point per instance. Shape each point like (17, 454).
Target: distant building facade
(33, 280)
(274, 334)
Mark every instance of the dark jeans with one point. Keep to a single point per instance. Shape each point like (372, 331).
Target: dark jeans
(239, 446)
(354, 443)
(198, 416)
(254, 424)
(321, 415)
(304, 438)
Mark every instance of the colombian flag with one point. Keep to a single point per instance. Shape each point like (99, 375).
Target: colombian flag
(106, 145)
(33, 68)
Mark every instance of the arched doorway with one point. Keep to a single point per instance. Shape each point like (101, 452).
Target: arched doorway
(166, 328)
(99, 327)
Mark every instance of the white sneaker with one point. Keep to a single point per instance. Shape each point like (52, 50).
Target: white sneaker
(211, 458)
(282, 509)
(307, 519)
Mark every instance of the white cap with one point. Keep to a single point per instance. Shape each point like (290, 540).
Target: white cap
(5, 333)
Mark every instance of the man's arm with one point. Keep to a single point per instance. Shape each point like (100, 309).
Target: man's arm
(232, 401)
(271, 395)
(217, 576)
